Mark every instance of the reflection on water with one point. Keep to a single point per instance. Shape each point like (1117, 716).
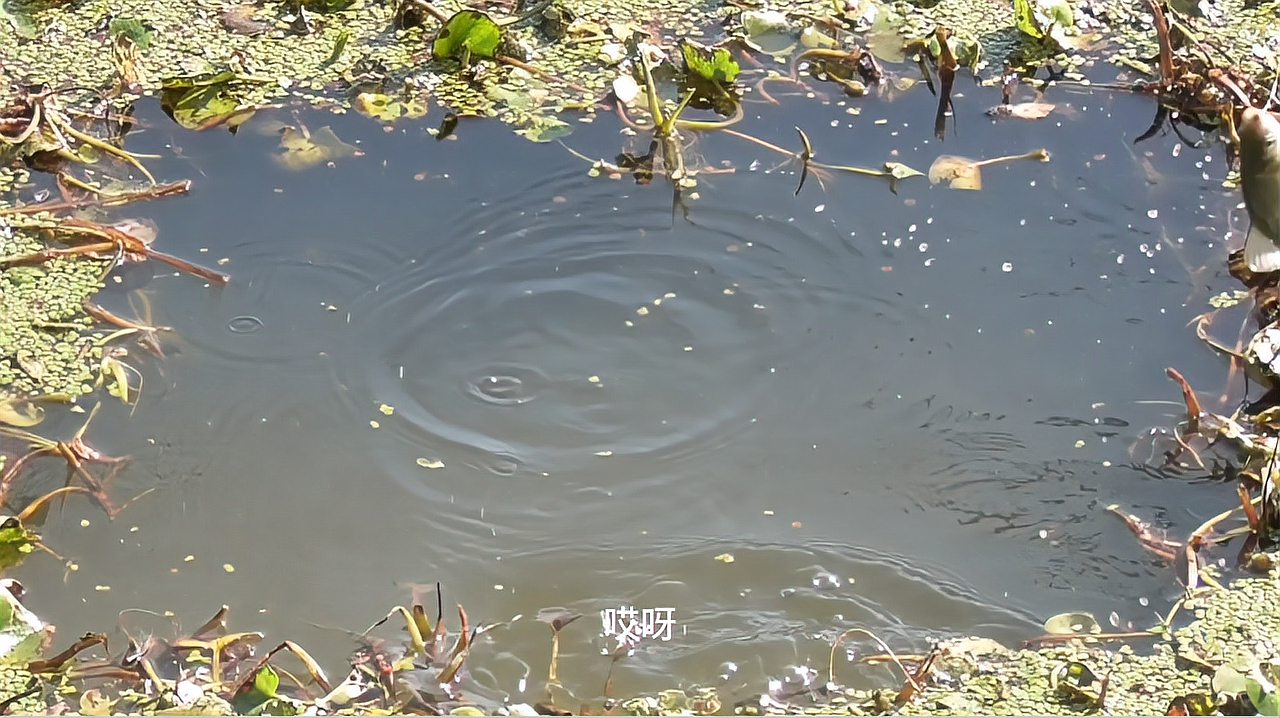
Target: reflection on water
(899, 411)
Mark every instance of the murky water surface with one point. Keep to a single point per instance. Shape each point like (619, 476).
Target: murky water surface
(903, 412)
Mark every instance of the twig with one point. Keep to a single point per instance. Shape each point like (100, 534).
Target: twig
(150, 193)
(1052, 638)
(1198, 537)
(831, 661)
(1166, 48)
(1189, 397)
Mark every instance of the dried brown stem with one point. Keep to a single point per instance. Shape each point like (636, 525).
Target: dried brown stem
(1189, 397)
(157, 192)
(1166, 45)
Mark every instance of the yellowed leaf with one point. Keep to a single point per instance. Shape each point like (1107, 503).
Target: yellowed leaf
(303, 150)
(20, 413)
(958, 172)
(120, 387)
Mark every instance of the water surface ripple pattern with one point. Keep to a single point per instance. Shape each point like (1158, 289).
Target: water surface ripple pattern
(590, 324)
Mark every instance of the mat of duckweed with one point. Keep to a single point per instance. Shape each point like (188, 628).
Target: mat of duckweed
(1236, 627)
(572, 43)
(47, 346)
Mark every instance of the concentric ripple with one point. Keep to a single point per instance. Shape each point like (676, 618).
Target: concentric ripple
(281, 310)
(589, 328)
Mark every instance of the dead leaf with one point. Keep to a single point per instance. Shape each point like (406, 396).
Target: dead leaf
(1022, 110)
(959, 172)
(965, 173)
(32, 366)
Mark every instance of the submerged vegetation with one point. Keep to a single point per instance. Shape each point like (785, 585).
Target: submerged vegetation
(70, 74)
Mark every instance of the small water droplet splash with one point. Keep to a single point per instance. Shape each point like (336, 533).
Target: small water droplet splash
(245, 324)
(506, 386)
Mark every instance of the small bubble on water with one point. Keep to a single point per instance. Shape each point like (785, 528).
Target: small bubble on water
(923, 247)
(1006, 267)
(826, 581)
(1143, 601)
(1115, 619)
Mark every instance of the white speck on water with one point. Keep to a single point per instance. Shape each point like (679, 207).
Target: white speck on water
(1006, 267)
(923, 247)
(819, 208)
(1120, 259)
(1153, 213)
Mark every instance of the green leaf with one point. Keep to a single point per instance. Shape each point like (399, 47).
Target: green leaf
(16, 543)
(22, 24)
(267, 682)
(22, 635)
(900, 171)
(1266, 702)
(768, 31)
(546, 129)
(383, 107)
(1056, 12)
(1038, 18)
(202, 80)
(469, 33)
(517, 100)
(133, 29)
(1230, 681)
(204, 101)
(716, 66)
(1025, 19)
(338, 46)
